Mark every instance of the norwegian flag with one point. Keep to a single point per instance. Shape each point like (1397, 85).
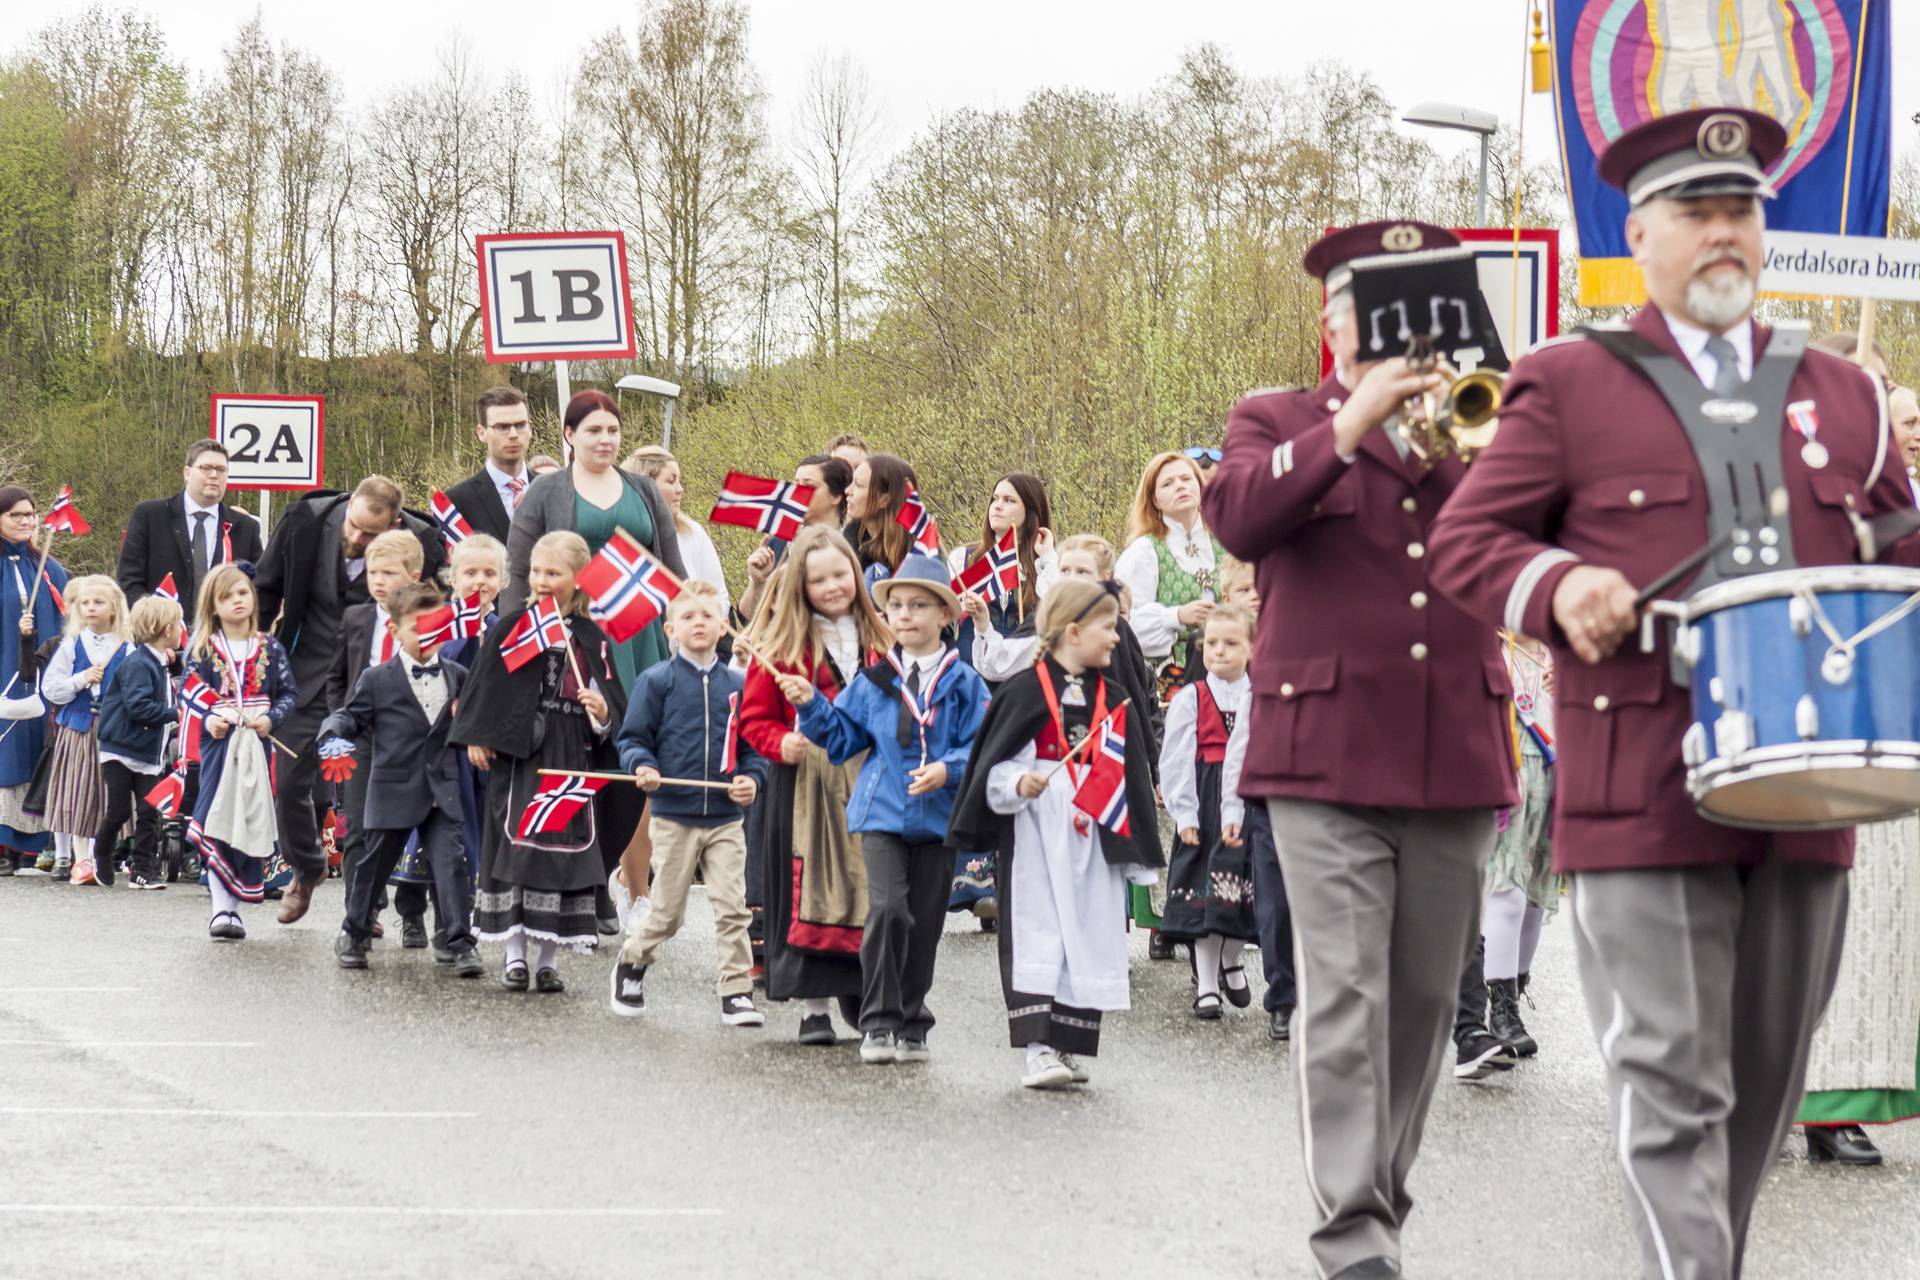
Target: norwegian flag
(469, 616)
(995, 575)
(778, 507)
(438, 626)
(453, 526)
(730, 753)
(189, 734)
(540, 628)
(172, 789)
(555, 803)
(918, 521)
(166, 590)
(626, 588)
(1102, 793)
(64, 517)
(197, 696)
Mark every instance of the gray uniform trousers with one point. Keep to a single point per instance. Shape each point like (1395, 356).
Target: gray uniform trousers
(1704, 986)
(1386, 910)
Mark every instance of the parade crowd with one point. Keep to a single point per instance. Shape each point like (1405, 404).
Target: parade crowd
(1350, 681)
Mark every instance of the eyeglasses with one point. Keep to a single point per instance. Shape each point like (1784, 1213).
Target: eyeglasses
(913, 606)
(20, 515)
(1208, 456)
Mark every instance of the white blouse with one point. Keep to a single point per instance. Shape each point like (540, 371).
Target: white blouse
(1157, 625)
(997, 657)
(57, 682)
(702, 561)
(1180, 748)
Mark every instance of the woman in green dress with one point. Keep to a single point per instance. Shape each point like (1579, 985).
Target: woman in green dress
(592, 496)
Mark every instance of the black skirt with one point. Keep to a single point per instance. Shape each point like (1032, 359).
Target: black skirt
(1210, 882)
(792, 973)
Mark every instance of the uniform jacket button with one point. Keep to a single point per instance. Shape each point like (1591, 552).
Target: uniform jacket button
(1415, 550)
(1419, 652)
(1419, 600)
(1638, 498)
(1409, 505)
(1286, 690)
(1601, 703)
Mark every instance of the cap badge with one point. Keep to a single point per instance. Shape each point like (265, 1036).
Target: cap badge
(1401, 239)
(1723, 136)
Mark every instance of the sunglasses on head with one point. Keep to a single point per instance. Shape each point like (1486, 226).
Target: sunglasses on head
(1208, 456)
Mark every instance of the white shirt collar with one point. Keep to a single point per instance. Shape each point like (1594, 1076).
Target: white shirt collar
(925, 662)
(500, 477)
(1228, 694)
(1693, 344)
(406, 660)
(193, 508)
(702, 667)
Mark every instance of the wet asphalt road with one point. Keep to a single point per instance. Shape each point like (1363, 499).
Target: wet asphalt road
(180, 1108)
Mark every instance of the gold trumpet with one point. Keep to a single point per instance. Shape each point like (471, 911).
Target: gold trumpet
(1458, 422)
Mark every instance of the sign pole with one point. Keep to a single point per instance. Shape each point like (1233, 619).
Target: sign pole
(563, 381)
(1863, 350)
(266, 507)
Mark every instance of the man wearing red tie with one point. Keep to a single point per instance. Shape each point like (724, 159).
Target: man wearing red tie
(489, 496)
(1707, 952)
(1378, 743)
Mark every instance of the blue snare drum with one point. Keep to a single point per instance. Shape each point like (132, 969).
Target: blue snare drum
(1806, 696)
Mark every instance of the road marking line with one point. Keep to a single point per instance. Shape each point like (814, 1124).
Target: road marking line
(211, 1113)
(65, 991)
(130, 1044)
(382, 1210)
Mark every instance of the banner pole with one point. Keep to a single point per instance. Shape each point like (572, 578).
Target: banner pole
(563, 383)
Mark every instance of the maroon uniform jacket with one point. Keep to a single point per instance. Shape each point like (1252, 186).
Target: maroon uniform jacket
(1369, 687)
(1591, 466)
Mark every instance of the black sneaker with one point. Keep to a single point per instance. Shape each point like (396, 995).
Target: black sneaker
(818, 1029)
(466, 964)
(413, 933)
(349, 952)
(738, 1011)
(1158, 947)
(627, 989)
(876, 1047)
(1480, 1055)
(141, 880)
(1279, 1023)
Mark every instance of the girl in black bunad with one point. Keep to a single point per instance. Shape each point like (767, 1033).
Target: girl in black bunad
(1062, 886)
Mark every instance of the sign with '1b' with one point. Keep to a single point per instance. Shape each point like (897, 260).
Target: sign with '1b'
(272, 442)
(555, 295)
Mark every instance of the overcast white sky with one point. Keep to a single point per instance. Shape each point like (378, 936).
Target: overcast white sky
(928, 57)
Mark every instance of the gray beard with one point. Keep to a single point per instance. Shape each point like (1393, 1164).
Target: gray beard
(1721, 301)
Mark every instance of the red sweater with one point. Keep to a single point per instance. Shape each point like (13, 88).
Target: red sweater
(766, 716)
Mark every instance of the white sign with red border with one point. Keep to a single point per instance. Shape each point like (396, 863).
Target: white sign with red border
(272, 442)
(555, 295)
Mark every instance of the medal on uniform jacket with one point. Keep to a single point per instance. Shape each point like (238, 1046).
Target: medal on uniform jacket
(1806, 420)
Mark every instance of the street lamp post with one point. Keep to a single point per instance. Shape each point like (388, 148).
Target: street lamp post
(1447, 115)
(669, 393)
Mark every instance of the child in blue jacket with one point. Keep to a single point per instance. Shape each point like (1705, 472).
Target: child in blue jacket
(135, 710)
(915, 715)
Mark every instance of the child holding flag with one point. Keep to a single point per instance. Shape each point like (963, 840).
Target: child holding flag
(91, 649)
(135, 711)
(683, 722)
(914, 714)
(1062, 785)
(241, 685)
(542, 695)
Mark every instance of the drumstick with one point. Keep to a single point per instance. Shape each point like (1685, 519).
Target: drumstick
(1776, 509)
(627, 777)
(1092, 731)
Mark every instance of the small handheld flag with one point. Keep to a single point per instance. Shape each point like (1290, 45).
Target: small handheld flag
(166, 590)
(918, 522)
(778, 507)
(555, 803)
(64, 517)
(1102, 793)
(626, 588)
(539, 629)
(437, 627)
(453, 526)
(995, 575)
(168, 793)
(197, 696)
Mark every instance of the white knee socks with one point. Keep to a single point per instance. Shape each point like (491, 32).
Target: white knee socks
(815, 1008)
(1502, 923)
(544, 960)
(223, 903)
(1206, 965)
(1530, 937)
(1230, 949)
(516, 950)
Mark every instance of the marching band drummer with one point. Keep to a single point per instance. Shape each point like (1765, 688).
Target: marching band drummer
(1707, 952)
(1380, 747)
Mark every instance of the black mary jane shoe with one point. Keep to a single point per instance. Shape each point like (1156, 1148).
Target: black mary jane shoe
(1841, 1144)
(1207, 1007)
(514, 977)
(1241, 996)
(1158, 947)
(547, 982)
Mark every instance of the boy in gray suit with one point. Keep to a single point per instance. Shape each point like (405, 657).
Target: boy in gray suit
(405, 705)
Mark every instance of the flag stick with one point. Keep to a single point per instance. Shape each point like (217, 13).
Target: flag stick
(39, 575)
(1092, 731)
(627, 777)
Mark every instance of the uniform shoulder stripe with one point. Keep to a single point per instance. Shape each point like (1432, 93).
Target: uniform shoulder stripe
(1268, 391)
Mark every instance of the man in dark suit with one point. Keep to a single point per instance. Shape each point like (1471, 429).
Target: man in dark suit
(1379, 745)
(1707, 951)
(402, 709)
(186, 534)
(488, 497)
(313, 570)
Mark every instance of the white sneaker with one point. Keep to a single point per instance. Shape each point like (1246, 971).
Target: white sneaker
(622, 900)
(1080, 1073)
(637, 914)
(1046, 1072)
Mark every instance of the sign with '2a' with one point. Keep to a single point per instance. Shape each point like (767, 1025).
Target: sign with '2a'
(556, 295)
(272, 442)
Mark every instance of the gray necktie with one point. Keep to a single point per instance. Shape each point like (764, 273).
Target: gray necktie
(199, 546)
(1726, 375)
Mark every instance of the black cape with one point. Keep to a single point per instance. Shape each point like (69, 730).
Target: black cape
(1015, 718)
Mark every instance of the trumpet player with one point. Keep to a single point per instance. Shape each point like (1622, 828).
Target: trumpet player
(1380, 748)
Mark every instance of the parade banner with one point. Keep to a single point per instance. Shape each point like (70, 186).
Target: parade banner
(1848, 266)
(1820, 67)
